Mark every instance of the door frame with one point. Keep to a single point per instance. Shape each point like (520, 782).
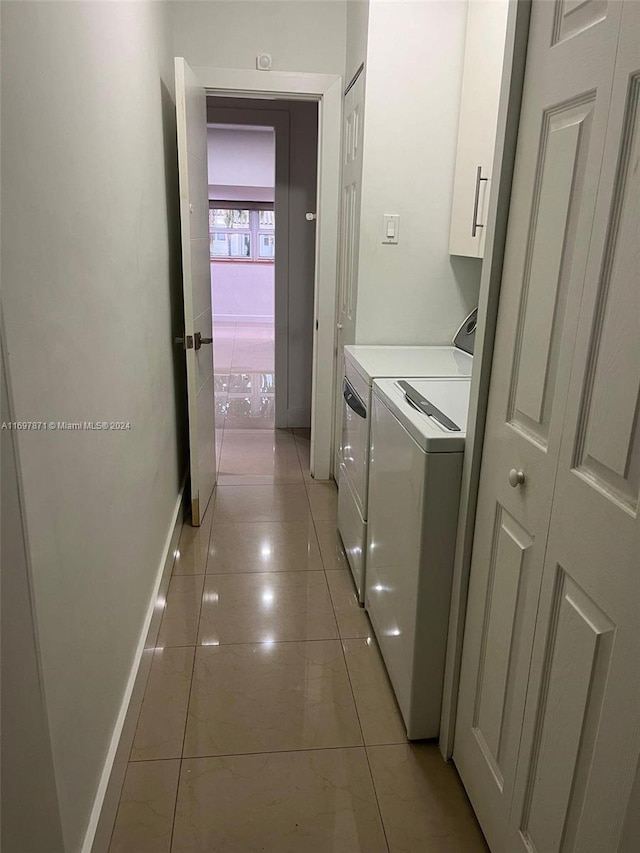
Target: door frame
(326, 89)
(517, 37)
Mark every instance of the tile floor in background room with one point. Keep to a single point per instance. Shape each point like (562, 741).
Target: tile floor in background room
(244, 366)
(268, 723)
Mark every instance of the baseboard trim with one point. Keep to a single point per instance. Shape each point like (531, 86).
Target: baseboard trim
(105, 806)
(235, 319)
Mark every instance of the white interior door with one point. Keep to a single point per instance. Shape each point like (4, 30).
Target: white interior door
(353, 130)
(191, 114)
(581, 733)
(568, 82)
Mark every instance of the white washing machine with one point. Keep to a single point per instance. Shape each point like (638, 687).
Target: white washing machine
(417, 445)
(363, 364)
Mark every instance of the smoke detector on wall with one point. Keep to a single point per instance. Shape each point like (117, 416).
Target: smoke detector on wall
(263, 62)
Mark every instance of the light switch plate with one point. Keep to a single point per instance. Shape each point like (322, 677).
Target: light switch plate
(390, 227)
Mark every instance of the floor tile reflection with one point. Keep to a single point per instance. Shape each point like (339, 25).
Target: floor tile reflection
(191, 554)
(179, 626)
(351, 617)
(377, 709)
(331, 547)
(287, 802)
(323, 499)
(254, 458)
(266, 607)
(145, 815)
(277, 696)
(271, 546)
(422, 801)
(160, 730)
(260, 503)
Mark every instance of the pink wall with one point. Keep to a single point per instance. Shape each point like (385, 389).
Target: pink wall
(241, 157)
(242, 166)
(245, 291)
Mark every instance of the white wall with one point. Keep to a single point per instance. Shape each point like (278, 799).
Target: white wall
(413, 292)
(30, 818)
(241, 158)
(300, 35)
(357, 30)
(91, 302)
(242, 292)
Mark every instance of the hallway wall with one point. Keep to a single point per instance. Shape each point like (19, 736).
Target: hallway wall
(241, 158)
(23, 709)
(356, 40)
(91, 302)
(242, 291)
(414, 292)
(301, 35)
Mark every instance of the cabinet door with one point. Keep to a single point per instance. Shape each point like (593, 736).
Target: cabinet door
(484, 54)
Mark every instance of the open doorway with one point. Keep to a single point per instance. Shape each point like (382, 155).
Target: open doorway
(262, 165)
(241, 166)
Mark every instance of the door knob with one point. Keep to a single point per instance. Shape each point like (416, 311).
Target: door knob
(516, 478)
(310, 217)
(199, 340)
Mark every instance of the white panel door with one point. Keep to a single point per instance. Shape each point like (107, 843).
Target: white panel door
(581, 734)
(191, 115)
(565, 108)
(353, 130)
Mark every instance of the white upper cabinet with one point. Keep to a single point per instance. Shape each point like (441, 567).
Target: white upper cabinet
(483, 58)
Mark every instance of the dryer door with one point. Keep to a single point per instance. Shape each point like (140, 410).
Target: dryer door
(355, 435)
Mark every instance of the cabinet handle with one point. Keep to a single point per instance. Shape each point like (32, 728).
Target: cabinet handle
(476, 201)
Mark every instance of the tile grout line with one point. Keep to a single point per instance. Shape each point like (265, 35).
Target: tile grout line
(364, 743)
(363, 746)
(193, 666)
(235, 331)
(262, 520)
(355, 704)
(375, 794)
(284, 482)
(261, 572)
(258, 643)
(360, 746)
(153, 649)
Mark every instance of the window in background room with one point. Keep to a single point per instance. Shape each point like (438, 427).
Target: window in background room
(241, 234)
(266, 234)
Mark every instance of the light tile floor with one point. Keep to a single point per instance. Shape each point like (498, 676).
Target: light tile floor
(244, 366)
(268, 722)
